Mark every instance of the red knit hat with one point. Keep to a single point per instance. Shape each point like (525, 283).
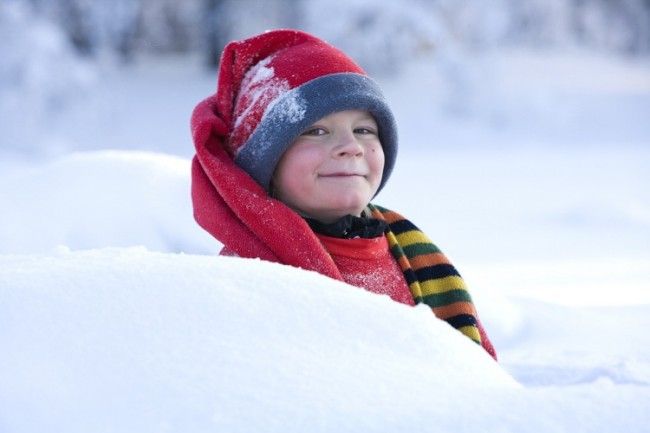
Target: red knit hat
(274, 85)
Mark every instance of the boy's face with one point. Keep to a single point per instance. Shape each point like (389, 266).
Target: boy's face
(333, 168)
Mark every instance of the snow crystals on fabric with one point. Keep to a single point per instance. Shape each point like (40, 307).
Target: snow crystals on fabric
(381, 282)
(261, 91)
(291, 107)
(258, 87)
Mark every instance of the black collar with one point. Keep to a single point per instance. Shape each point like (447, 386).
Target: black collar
(349, 227)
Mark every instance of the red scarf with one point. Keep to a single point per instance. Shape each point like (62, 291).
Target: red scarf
(237, 211)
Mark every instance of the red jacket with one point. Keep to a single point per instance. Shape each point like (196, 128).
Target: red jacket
(368, 263)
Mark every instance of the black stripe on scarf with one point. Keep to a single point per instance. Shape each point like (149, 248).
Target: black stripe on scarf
(402, 226)
(461, 320)
(436, 271)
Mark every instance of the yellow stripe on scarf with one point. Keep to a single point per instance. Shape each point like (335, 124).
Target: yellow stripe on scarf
(411, 237)
(441, 285)
(392, 241)
(471, 332)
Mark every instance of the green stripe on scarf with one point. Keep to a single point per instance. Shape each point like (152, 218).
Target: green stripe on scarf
(453, 305)
(420, 249)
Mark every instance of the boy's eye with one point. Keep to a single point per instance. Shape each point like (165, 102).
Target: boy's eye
(364, 131)
(314, 132)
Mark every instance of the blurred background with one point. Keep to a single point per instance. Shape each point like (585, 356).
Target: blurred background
(130, 28)
(537, 66)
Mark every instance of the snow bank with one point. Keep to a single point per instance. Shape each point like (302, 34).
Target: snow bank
(130, 340)
(101, 199)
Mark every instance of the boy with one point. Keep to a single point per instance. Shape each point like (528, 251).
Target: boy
(289, 152)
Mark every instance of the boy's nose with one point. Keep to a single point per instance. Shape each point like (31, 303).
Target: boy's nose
(348, 145)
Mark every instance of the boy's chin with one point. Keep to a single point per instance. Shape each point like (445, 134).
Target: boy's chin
(336, 212)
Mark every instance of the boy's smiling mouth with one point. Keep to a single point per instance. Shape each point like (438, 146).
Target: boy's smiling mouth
(341, 175)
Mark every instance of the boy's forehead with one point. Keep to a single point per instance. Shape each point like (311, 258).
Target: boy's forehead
(366, 115)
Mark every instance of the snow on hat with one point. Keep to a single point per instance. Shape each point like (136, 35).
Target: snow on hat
(276, 84)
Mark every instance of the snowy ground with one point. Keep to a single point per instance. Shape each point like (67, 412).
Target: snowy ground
(131, 340)
(116, 316)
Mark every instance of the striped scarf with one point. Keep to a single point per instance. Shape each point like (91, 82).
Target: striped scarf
(431, 278)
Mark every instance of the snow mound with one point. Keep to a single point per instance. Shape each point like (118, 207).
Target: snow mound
(101, 199)
(132, 340)
(129, 340)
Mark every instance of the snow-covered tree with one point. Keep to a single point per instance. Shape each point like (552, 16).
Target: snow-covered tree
(40, 77)
(379, 33)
